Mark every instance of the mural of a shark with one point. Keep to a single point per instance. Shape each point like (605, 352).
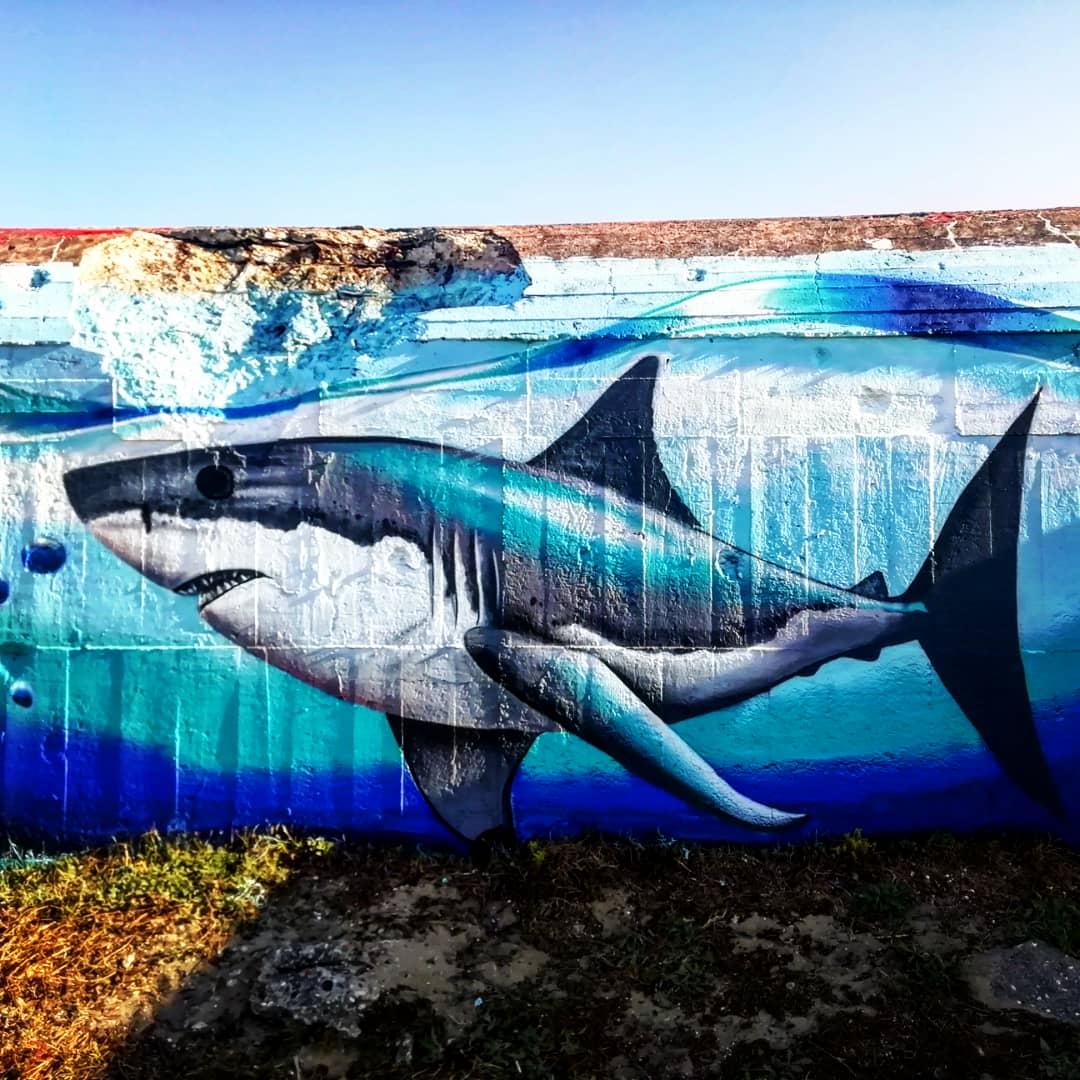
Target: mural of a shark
(479, 602)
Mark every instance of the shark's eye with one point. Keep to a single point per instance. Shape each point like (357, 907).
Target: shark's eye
(215, 482)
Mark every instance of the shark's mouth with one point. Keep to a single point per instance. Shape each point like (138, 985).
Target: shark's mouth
(213, 586)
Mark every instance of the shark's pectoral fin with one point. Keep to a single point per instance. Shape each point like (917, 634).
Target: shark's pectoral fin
(581, 693)
(464, 773)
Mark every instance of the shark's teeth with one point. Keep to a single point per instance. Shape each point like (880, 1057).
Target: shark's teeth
(212, 586)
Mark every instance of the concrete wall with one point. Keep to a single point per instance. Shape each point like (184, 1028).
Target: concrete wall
(716, 530)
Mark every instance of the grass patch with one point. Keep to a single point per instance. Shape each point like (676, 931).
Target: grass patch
(88, 942)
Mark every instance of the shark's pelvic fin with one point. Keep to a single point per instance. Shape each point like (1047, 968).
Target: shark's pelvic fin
(613, 445)
(465, 774)
(581, 693)
(968, 584)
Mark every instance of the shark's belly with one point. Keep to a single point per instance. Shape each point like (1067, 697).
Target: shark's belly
(378, 625)
(687, 682)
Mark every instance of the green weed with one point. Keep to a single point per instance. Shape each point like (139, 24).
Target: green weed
(883, 901)
(1055, 920)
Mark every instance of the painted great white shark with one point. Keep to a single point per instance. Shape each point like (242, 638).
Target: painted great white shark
(480, 602)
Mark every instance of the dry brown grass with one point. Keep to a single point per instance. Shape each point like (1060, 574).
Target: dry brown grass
(91, 943)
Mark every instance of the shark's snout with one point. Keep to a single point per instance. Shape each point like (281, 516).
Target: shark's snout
(97, 490)
(137, 510)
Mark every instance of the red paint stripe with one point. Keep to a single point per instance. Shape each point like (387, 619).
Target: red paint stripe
(22, 234)
(22, 245)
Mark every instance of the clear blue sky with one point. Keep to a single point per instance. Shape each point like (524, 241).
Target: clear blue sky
(496, 111)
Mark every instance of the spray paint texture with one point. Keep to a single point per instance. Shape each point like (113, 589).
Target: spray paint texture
(419, 537)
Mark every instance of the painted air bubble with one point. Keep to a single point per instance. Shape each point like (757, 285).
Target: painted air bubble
(22, 694)
(44, 556)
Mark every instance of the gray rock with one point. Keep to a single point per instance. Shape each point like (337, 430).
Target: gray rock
(325, 984)
(1032, 977)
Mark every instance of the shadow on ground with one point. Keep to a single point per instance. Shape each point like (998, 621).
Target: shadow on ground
(617, 960)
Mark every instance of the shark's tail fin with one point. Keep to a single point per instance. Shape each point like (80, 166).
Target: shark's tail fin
(968, 584)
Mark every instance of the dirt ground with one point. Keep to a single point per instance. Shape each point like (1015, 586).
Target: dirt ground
(619, 960)
(926, 957)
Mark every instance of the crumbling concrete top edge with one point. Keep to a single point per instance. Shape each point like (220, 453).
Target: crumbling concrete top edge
(929, 231)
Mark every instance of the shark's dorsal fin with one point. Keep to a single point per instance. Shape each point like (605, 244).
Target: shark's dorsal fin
(613, 445)
(465, 774)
